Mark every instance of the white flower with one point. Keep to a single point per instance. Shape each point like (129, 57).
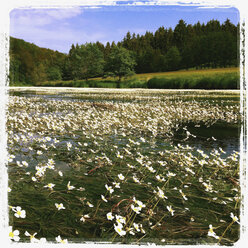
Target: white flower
(40, 171)
(121, 177)
(151, 169)
(170, 210)
(10, 160)
(139, 203)
(117, 185)
(136, 179)
(130, 230)
(183, 195)
(109, 188)
(25, 163)
(69, 146)
(202, 162)
(103, 198)
(119, 230)
(208, 187)
(119, 155)
(9, 189)
(50, 166)
(141, 229)
(110, 216)
(170, 174)
(211, 232)
(89, 204)
(19, 213)
(235, 218)
(51, 161)
(43, 146)
(34, 179)
(69, 187)
(32, 237)
(161, 193)
(160, 179)
(59, 206)
(39, 152)
(59, 240)
(50, 186)
(19, 164)
(130, 166)
(136, 209)
(14, 235)
(120, 219)
(84, 217)
(60, 173)
(136, 226)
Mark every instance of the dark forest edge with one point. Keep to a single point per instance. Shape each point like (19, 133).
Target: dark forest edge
(198, 46)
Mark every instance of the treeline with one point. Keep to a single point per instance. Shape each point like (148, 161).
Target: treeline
(208, 45)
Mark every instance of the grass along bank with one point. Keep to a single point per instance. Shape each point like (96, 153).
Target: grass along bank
(221, 78)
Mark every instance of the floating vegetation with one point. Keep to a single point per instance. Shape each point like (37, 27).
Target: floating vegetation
(111, 168)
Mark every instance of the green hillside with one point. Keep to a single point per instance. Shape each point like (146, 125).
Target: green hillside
(30, 63)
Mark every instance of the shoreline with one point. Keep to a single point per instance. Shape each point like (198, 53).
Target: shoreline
(112, 90)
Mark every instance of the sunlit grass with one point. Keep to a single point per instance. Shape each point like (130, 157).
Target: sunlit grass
(220, 78)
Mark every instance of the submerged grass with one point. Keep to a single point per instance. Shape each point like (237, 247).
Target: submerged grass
(114, 167)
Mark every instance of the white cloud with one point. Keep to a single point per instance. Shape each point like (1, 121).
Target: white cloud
(41, 17)
(45, 27)
(59, 14)
(56, 37)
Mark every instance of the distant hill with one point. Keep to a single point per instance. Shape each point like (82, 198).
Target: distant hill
(30, 63)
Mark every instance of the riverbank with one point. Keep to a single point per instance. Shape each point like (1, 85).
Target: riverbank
(221, 78)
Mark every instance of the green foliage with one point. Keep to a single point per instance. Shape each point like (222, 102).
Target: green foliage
(86, 61)
(54, 73)
(120, 63)
(173, 59)
(30, 64)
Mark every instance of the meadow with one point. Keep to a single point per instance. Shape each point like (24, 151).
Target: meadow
(123, 166)
(220, 78)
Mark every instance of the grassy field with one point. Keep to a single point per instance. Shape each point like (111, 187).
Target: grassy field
(187, 73)
(221, 78)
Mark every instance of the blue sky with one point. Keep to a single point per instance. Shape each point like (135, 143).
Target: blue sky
(58, 28)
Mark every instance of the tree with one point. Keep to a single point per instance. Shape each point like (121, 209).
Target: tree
(91, 61)
(86, 61)
(180, 33)
(54, 73)
(173, 58)
(120, 62)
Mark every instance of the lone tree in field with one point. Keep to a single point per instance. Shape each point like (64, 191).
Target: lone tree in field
(120, 63)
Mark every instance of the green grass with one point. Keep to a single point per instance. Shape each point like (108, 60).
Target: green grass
(221, 78)
(214, 81)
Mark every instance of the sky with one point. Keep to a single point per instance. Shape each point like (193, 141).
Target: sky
(59, 28)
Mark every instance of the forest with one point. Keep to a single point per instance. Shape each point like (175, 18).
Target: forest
(198, 46)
